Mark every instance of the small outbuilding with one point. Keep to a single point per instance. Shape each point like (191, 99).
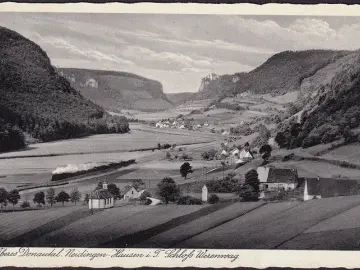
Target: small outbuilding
(101, 198)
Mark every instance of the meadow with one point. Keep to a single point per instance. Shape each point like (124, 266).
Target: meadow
(183, 232)
(108, 225)
(110, 143)
(328, 223)
(307, 168)
(271, 225)
(348, 152)
(13, 224)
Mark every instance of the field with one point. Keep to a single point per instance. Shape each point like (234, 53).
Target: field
(109, 225)
(339, 232)
(34, 166)
(271, 225)
(185, 231)
(327, 223)
(19, 223)
(134, 140)
(348, 153)
(308, 168)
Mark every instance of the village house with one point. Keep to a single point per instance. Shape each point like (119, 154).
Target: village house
(101, 198)
(129, 192)
(277, 178)
(317, 188)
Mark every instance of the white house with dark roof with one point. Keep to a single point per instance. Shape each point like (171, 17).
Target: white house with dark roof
(277, 178)
(129, 192)
(101, 198)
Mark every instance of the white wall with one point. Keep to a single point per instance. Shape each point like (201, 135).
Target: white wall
(263, 173)
(98, 204)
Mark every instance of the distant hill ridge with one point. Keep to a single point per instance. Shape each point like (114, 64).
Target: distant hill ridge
(328, 83)
(116, 90)
(34, 97)
(281, 73)
(180, 98)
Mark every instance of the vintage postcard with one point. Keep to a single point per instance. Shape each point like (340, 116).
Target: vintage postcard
(179, 135)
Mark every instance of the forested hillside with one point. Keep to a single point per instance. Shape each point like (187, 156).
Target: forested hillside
(281, 73)
(35, 98)
(115, 90)
(330, 108)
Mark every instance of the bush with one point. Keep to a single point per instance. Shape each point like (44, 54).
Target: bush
(188, 200)
(209, 155)
(243, 130)
(195, 112)
(144, 197)
(228, 185)
(213, 198)
(25, 204)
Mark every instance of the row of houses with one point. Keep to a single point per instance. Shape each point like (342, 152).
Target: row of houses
(177, 124)
(274, 179)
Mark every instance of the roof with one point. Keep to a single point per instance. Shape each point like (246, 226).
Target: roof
(101, 194)
(331, 187)
(126, 189)
(313, 186)
(279, 175)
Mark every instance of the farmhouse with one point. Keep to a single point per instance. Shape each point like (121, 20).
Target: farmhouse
(101, 198)
(277, 179)
(129, 192)
(316, 188)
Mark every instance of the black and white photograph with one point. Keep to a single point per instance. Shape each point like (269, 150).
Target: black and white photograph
(179, 131)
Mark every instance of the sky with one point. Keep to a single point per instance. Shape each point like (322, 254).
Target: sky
(178, 50)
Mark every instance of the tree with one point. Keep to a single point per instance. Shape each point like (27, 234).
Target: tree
(62, 197)
(50, 196)
(87, 198)
(39, 198)
(114, 190)
(14, 197)
(185, 169)
(265, 151)
(3, 197)
(99, 185)
(250, 190)
(348, 134)
(281, 139)
(167, 190)
(138, 184)
(75, 195)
